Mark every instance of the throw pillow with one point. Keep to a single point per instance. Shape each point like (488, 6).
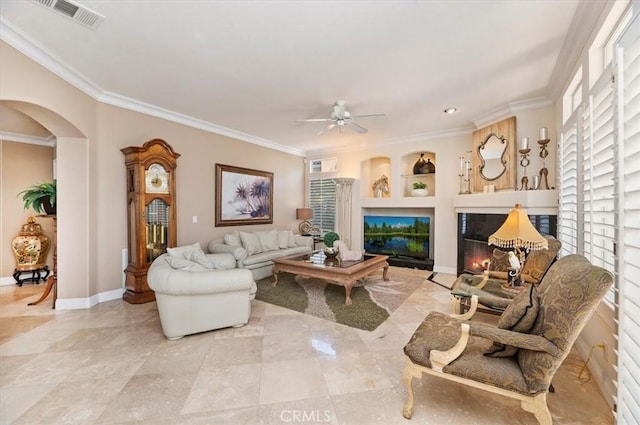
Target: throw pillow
(183, 251)
(250, 243)
(199, 257)
(519, 316)
(537, 264)
(268, 240)
(291, 240)
(499, 265)
(182, 264)
(232, 239)
(283, 239)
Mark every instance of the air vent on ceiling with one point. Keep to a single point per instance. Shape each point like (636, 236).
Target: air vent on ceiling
(78, 13)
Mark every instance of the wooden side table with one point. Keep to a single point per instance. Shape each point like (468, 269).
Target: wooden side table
(52, 281)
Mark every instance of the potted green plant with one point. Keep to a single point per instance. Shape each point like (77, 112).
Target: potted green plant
(329, 239)
(41, 197)
(419, 189)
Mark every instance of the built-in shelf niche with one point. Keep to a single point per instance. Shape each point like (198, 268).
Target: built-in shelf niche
(408, 178)
(373, 169)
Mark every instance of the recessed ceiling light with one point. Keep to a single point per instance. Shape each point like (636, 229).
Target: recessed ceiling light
(451, 110)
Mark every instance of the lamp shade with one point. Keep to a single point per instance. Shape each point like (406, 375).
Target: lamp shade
(304, 213)
(518, 232)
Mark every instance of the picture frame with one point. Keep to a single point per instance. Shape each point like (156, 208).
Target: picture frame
(243, 196)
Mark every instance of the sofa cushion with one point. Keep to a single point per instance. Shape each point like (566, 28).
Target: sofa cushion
(268, 240)
(232, 239)
(183, 251)
(222, 261)
(184, 264)
(283, 238)
(519, 316)
(251, 243)
(291, 240)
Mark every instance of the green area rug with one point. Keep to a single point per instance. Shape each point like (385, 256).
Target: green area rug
(373, 299)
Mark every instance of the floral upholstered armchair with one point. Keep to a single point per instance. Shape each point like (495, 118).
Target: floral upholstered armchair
(492, 288)
(520, 356)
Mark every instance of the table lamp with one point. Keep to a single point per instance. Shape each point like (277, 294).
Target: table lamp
(518, 233)
(304, 214)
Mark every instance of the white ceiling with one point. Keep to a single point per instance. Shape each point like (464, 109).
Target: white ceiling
(250, 69)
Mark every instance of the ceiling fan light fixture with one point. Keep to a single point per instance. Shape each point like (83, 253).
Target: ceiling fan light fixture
(450, 110)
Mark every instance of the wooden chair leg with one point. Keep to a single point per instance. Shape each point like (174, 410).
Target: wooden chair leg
(410, 372)
(538, 406)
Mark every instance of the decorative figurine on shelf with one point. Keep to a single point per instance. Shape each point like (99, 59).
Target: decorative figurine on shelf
(381, 186)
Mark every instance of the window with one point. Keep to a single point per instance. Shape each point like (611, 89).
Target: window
(322, 199)
(322, 193)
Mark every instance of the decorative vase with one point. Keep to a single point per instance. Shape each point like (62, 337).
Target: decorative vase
(30, 250)
(331, 252)
(419, 166)
(419, 192)
(429, 167)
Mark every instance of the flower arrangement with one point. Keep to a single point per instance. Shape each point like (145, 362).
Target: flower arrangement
(330, 238)
(419, 185)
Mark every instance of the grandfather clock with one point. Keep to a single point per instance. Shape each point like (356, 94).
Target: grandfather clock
(151, 212)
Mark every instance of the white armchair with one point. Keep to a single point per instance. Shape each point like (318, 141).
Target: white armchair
(192, 301)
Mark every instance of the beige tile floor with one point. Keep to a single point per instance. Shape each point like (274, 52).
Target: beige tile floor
(111, 365)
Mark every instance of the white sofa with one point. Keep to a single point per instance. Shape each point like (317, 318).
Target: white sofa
(194, 299)
(255, 251)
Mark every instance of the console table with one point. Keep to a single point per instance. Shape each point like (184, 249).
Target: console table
(52, 281)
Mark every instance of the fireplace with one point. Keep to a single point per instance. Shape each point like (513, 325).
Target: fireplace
(474, 230)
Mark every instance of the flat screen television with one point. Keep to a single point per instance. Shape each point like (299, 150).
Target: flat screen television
(397, 236)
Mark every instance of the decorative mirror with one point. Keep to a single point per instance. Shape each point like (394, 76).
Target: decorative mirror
(491, 153)
(494, 159)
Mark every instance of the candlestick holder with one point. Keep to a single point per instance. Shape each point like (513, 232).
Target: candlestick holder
(524, 162)
(465, 181)
(544, 172)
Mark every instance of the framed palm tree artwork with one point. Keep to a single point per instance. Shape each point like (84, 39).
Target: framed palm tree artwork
(243, 196)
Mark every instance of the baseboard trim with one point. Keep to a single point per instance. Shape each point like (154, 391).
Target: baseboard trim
(85, 303)
(596, 370)
(6, 281)
(447, 270)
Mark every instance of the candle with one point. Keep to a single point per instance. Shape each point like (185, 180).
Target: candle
(536, 181)
(525, 143)
(461, 165)
(466, 170)
(543, 133)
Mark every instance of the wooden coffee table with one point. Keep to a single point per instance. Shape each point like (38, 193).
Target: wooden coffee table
(343, 273)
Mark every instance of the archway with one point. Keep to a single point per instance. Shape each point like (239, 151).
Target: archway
(73, 201)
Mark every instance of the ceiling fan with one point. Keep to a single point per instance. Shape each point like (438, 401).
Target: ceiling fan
(340, 118)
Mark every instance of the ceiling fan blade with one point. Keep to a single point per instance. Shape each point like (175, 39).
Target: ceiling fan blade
(324, 130)
(368, 116)
(358, 128)
(315, 120)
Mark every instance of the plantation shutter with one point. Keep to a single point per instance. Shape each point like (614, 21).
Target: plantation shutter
(568, 188)
(628, 397)
(598, 175)
(322, 199)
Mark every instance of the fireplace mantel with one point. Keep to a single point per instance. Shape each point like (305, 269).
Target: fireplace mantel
(536, 202)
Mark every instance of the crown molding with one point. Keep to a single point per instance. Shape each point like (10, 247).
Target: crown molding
(510, 109)
(37, 53)
(24, 138)
(148, 109)
(441, 134)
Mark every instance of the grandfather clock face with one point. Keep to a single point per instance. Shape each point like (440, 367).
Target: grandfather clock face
(156, 179)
